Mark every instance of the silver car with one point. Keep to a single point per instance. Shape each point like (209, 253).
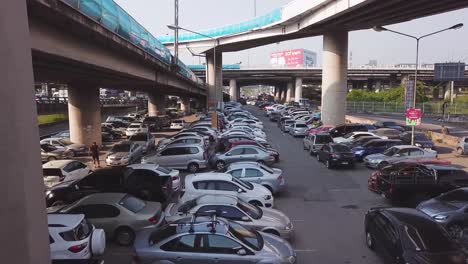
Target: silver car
(65, 143)
(184, 140)
(315, 142)
(145, 140)
(398, 153)
(243, 153)
(298, 129)
(271, 178)
(234, 209)
(210, 240)
(124, 153)
(119, 214)
(191, 157)
(49, 153)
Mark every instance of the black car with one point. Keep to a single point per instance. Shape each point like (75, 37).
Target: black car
(336, 155)
(344, 129)
(154, 123)
(389, 124)
(108, 134)
(420, 140)
(144, 184)
(360, 141)
(405, 235)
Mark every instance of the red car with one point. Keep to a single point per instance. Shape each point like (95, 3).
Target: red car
(323, 128)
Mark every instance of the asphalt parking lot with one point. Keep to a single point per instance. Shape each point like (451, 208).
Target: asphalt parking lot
(327, 207)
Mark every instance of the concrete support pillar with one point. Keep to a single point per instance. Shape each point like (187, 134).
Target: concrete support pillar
(404, 78)
(233, 91)
(23, 225)
(277, 92)
(378, 85)
(84, 114)
(214, 77)
(334, 80)
(185, 105)
(289, 92)
(238, 91)
(156, 104)
(298, 90)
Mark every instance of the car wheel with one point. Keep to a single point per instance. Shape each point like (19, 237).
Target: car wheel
(193, 167)
(328, 164)
(455, 231)
(272, 232)
(369, 240)
(460, 151)
(256, 203)
(124, 236)
(220, 164)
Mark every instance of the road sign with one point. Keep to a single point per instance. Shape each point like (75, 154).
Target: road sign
(409, 93)
(449, 71)
(413, 117)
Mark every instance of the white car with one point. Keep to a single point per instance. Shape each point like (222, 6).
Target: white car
(244, 133)
(57, 171)
(177, 124)
(134, 128)
(251, 131)
(65, 144)
(225, 184)
(184, 140)
(355, 135)
(71, 238)
(161, 171)
(398, 153)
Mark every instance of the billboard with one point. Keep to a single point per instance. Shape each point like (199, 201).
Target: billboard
(449, 71)
(293, 58)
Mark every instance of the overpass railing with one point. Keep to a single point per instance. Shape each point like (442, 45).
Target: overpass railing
(428, 108)
(116, 19)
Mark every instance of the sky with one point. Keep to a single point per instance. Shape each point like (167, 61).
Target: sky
(365, 45)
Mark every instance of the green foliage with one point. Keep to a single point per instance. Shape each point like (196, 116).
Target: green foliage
(461, 100)
(48, 119)
(396, 94)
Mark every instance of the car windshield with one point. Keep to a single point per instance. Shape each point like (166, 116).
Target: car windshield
(132, 203)
(120, 148)
(134, 126)
(429, 237)
(247, 185)
(252, 210)
(323, 139)
(269, 170)
(341, 148)
(456, 195)
(48, 148)
(390, 152)
(65, 142)
(301, 125)
(251, 238)
(140, 137)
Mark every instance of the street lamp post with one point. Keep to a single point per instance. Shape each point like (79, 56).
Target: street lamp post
(381, 28)
(176, 28)
(176, 32)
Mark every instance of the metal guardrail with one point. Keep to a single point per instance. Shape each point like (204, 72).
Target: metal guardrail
(104, 101)
(428, 108)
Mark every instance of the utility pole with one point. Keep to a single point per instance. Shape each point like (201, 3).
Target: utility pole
(176, 32)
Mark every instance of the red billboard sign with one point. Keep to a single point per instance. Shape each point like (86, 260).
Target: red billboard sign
(290, 58)
(413, 113)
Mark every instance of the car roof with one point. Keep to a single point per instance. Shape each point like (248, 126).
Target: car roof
(409, 216)
(246, 146)
(209, 176)
(202, 224)
(102, 198)
(217, 199)
(56, 164)
(322, 134)
(244, 164)
(404, 146)
(64, 220)
(182, 145)
(443, 167)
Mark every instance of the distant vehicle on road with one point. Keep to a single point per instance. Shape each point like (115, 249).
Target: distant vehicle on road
(298, 129)
(315, 142)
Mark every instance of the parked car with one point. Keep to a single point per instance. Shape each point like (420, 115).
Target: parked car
(255, 143)
(286, 124)
(163, 172)
(406, 179)
(404, 235)
(120, 215)
(144, 140)
(57, 171)
(62, 134)
(226, 242)
(390, 133)
(266, 220)
(271, 178)
(124, 153)
(189, 140)
(200, 184)
(73, 239)
(243, 153)
(389, 124)
(298, 129)
(245, 134)
(374, 147)
(420, 140)
(398, 153)
(360, 141)
(49, 153)
(462, 148)
(135, 128)
(355, 135)
(323, 128)
(144, 183)
(334, 155)
(165, 141)
(344, 129)
(191, 157)
(108, 134)
(315, 142)
(66, 144)
(177, 124)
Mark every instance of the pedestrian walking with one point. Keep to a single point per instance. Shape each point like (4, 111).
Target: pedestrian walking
(94, 151)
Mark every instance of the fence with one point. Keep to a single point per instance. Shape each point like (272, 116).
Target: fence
(427, 108)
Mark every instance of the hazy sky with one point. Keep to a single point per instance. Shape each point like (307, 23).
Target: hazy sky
(386, 48)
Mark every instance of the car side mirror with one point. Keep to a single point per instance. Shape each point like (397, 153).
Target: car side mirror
(241, 252)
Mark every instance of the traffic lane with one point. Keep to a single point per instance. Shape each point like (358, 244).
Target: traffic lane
(327, 207)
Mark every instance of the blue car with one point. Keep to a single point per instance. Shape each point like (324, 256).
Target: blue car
(373, 147)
